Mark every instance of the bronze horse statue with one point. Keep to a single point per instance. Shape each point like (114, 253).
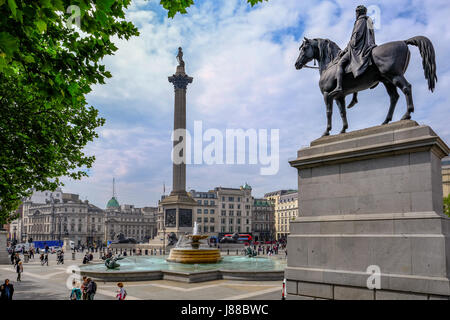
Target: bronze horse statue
(389, 64)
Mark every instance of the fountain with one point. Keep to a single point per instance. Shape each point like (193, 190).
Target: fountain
(189, 251)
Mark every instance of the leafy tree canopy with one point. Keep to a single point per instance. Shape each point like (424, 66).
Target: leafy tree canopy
(47, 67)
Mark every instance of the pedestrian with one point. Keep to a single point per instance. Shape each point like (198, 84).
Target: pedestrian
(19, 270)
(91, 289)
(6, 291)
(16, 260)
(42, 259)
(46, 259)
(121, 292)
(32, 253)
(84, 288)
(13, 257)
(76, 293)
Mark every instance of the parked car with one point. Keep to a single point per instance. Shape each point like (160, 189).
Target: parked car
(55, 249)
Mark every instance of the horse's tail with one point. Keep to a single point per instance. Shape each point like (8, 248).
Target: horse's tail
(428, 58)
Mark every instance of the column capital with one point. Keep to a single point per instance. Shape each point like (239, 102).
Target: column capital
(180, 81)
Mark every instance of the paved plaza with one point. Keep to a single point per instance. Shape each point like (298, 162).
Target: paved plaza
(49, 283)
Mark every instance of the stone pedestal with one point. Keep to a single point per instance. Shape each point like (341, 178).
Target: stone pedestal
(4, 256)
(371, 198)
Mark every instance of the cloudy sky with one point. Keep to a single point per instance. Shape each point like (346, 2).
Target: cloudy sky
(242, 60)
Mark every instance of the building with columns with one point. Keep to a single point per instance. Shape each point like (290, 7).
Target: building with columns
(71, 217)
(286, 209)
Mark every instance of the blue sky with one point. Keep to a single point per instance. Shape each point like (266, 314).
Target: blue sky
(242, 60)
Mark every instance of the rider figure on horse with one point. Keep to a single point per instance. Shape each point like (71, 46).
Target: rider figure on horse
(356, 57)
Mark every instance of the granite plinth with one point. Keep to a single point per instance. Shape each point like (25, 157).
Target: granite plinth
(371, 198)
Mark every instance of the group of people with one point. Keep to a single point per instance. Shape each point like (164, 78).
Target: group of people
(88, 257)
(88, 289)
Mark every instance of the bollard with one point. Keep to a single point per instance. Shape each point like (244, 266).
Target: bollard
(228, 252)
(73, 255)
(237, 253)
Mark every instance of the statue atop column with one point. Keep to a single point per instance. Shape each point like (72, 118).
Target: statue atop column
(180, 57)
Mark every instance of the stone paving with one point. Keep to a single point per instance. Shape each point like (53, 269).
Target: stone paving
(49, 283)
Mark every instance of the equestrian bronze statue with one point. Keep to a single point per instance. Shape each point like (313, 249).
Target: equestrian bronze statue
(363, 65)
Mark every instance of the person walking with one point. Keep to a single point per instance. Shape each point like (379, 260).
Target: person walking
(121, 292)
(91, 289)
(13, 257)
(6, 290)
(76, 293)
(84, 288)
(19, 270)
(46, 259)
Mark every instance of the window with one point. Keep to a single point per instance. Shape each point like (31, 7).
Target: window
(238, 213)
(238, 206)
(223, 198)
(205, 219)
(223, 213)
(205, 211)
(211, 211)
(205, 202)
(223, 205)
(230, 220)
(212, 202)
(231, 213)
(211, 219)
(199, 202)
(223, 220)
(199, 219)
(211, 229)
(239, 221)
(230, 198)
(199, 210)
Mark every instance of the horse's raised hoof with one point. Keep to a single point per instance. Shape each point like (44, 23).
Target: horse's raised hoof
(406, 117)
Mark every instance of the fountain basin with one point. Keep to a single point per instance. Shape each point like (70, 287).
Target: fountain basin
(144, 268)
(192, 256)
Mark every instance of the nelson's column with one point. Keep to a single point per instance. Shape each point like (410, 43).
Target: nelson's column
(178, 206)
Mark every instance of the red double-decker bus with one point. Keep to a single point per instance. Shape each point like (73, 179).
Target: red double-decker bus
(244, 237)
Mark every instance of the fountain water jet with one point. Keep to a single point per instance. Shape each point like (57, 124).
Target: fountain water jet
(193, 254)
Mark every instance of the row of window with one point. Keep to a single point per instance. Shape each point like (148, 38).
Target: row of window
(211, 211)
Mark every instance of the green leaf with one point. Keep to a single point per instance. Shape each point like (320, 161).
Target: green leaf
(104, 5)
(28, 59)
(8, 44)
(41, 25)
(13, 6)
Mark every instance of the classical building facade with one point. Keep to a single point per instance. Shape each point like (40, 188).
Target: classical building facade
(71, 217)
(263, 220)
(205, 213)
(136, 223)
(286, 209)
